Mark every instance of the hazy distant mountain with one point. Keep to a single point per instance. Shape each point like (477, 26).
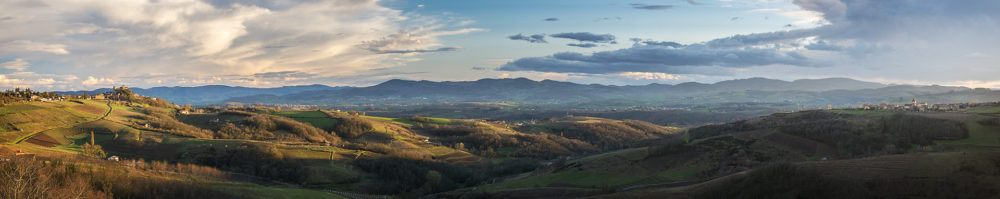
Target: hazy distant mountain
(213, 94)
(814, 91)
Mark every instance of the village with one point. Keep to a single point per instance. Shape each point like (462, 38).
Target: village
(924, 106)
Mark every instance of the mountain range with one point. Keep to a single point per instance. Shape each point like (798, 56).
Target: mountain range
(806, 91)
(838, 91)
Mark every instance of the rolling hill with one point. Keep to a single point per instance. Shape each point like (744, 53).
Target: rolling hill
(813, 154)
(211, 94)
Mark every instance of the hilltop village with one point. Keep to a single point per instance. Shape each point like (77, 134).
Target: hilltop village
(924, 106)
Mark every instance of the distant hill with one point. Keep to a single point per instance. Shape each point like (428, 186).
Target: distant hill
(212, 94)
(809, 91)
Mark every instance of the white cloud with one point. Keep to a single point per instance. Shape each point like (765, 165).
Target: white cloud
(91, 81)
(649, 76)
(16, 64)
(38, 81)
(190, 42)
(30, 46)
(977, 84)
(801, 17)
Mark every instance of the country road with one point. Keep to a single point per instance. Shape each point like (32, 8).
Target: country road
(109, 111)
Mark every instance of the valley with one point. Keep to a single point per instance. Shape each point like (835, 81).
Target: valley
(328, 153)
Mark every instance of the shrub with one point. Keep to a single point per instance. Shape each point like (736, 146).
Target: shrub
(352, 127)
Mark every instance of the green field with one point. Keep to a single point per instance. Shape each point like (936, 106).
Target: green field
(979, 135)
(18, 121)
(680, 173)
(257, 191)
(315, 118)
(862, 112)
(405, 121)
(399, 121)
(630, 154)
(578, 178)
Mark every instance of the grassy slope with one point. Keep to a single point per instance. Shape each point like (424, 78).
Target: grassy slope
(982, 144)
(315, 118)
(25, 119)
(73, 135)
(242, 189)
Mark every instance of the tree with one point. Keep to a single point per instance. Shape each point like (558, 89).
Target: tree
(93, 150)
(460, 146)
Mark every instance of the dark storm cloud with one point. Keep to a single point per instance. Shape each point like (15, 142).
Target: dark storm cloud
(586, 37)
(651, 7)
(552, 19)
(536, 38)
(694, 3)
(583, 45)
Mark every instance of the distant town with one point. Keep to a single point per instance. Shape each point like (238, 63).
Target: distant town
(924, 106)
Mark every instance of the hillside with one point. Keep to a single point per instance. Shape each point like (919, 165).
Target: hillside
(815, 154)
(303, 151)
(211, 94)
(837, 91)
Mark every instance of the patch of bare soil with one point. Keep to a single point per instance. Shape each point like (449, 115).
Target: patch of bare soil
(43, 140)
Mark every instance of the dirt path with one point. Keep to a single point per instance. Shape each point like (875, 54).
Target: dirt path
(109, 111)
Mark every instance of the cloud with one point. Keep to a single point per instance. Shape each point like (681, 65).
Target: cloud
(36, 81)
(651, 7)
(444, 49)
(536, 38)
(694, 3)
(284, 75)
(552, 19)
(638, 41)
(394, 43)
(17, 65)
(649, 76)
(690, 59)
(586, 37)
(30, 46)
(91, 81)
(583, 45)
(801, 17)
(823, 45)
(608, 18)
(197, 41)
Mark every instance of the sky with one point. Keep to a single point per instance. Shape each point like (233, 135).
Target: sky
(88, 44)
